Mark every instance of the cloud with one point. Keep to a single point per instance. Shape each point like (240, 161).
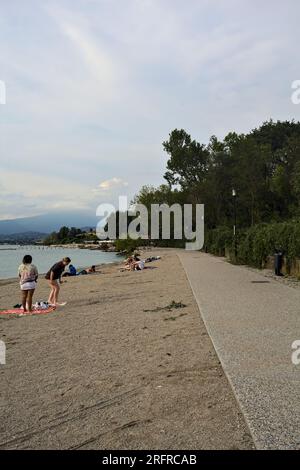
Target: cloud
(106, 81)
(26, 193)
(111, 184)
(100, 64)
(36, 194)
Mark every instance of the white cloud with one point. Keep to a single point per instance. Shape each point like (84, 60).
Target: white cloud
(103, 68)
(26, 193)
(107, 80)
(111, 184)
(36, 194)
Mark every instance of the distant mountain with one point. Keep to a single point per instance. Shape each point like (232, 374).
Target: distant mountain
(48, 223)
(23, 237)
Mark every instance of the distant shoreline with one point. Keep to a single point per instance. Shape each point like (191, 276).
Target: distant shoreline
(8, 280)
(45, 257)
(67, 246)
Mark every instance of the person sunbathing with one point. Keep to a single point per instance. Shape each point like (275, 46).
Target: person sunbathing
(90, 270)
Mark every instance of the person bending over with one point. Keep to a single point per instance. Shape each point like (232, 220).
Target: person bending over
(53, 276)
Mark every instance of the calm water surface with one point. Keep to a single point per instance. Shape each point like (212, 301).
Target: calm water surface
(44, 257)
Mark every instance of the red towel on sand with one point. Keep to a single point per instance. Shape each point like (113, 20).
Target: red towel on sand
(18, 311)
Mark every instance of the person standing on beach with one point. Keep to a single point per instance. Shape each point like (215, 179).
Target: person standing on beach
(28, 275)
(53, 276)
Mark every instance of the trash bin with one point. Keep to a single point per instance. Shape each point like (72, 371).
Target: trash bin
(278, 260)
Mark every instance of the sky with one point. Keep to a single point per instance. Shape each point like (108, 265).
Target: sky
(93, 88)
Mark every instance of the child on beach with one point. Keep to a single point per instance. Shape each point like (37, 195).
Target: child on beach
(28, 275)
(53, 276)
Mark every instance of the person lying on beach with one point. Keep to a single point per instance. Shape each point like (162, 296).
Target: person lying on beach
(90, 270)
(53, 276)
(28, 275)
(152, 258)
(72, 271)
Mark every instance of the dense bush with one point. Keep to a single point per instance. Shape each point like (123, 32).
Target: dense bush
(68, 235)
(257, 243)
(128, 245)
(218, 241)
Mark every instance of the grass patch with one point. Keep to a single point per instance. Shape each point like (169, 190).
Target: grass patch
(173, 305)
(175, 318)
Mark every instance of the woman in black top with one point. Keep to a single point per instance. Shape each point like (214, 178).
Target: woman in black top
(53, 275)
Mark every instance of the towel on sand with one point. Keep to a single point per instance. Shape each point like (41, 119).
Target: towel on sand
(19, 311)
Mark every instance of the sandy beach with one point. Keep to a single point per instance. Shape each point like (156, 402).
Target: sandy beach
(115, 368)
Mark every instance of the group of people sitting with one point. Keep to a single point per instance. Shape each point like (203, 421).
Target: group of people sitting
(134, 263)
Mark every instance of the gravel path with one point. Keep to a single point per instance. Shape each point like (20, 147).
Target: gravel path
(253, 321)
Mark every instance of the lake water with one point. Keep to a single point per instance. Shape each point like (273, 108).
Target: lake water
(44, 257)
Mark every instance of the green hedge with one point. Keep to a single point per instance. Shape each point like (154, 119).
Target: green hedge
(218, 241)
(257, 243)
(128, 245)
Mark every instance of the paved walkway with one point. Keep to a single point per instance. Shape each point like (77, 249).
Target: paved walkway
(253, 322)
